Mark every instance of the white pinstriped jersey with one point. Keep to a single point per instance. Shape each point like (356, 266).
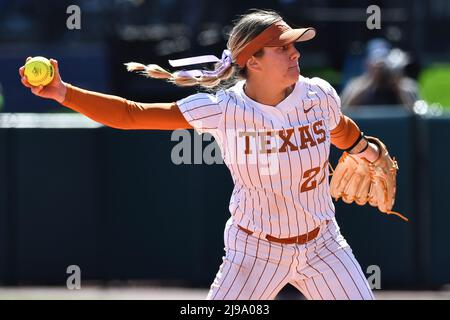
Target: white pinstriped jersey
(277, 156)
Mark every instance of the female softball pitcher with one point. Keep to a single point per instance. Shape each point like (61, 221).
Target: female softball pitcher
(274, 128)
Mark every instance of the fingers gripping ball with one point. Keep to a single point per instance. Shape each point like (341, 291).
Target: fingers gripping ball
(39, 71)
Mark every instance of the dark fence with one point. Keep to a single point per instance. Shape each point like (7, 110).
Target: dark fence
(113, 203)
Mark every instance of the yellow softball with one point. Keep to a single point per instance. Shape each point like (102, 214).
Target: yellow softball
(39, 71)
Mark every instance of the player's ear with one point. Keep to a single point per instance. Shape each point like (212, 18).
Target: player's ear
(253, 64)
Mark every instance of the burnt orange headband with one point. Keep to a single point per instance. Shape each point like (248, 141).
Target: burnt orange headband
(278, 34)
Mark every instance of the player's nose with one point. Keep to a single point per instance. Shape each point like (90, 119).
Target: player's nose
(295, 54)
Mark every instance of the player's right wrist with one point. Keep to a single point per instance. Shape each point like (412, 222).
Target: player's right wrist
(62, 93)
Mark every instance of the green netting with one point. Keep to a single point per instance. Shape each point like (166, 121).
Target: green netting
(434, 84)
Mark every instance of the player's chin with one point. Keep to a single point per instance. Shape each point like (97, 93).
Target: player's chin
(293, 74)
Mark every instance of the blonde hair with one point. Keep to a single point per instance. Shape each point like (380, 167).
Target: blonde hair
(246, 28)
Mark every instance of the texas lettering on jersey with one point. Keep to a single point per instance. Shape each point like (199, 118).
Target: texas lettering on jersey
(310, 136)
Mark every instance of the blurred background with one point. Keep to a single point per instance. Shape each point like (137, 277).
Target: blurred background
(73, 192)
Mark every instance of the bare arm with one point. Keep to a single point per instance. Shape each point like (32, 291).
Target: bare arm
(110, 110)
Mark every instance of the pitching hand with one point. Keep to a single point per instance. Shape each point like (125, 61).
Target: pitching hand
(54, 90)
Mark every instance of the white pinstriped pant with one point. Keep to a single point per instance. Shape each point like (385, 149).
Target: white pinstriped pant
(256, 269)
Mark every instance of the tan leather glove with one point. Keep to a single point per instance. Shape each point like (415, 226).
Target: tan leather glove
(356, 179)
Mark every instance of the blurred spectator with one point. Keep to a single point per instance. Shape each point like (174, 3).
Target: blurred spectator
(384, 81)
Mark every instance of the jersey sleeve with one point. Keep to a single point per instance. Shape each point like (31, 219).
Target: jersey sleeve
(202, 111)
(335, 108)
(333, 102)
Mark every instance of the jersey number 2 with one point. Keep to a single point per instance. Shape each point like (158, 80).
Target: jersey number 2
(310, 175)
